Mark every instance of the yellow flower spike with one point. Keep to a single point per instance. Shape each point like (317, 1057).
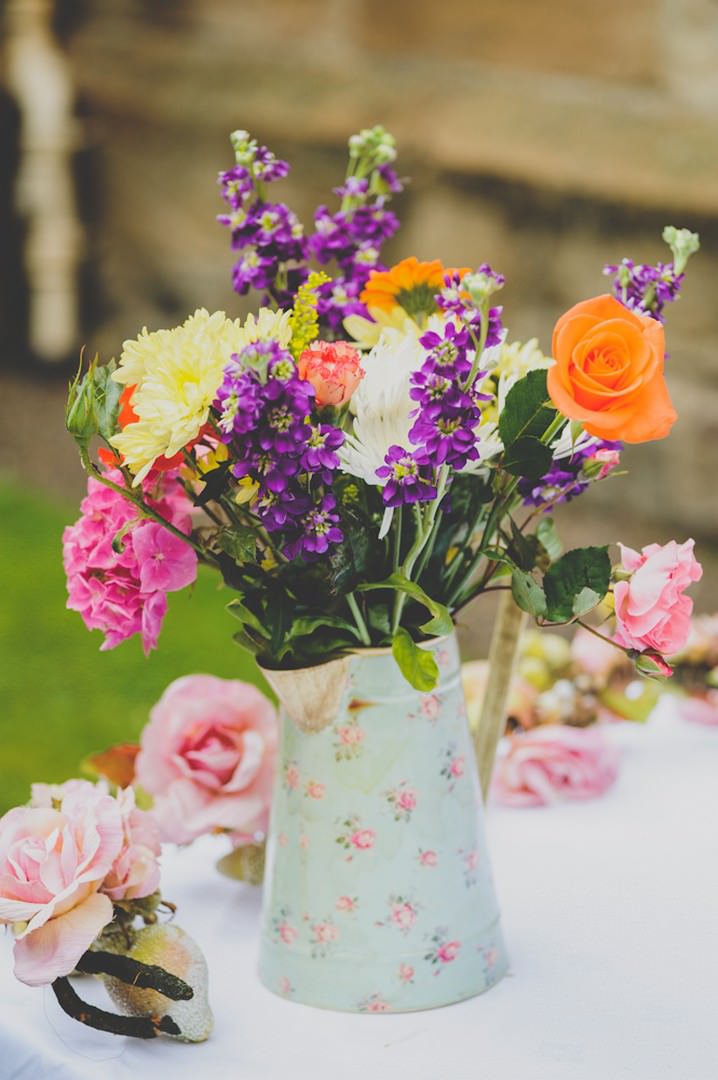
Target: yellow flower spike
(303, 321)
(269, 562)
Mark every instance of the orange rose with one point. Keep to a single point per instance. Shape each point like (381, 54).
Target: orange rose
(609, 372)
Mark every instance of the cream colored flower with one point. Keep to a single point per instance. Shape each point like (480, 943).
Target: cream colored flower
(177, 374)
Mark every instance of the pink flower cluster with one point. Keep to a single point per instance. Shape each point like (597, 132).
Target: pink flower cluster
(555, 762)
(63, 861)
(652, 614)
(207, 756)
(122, 589)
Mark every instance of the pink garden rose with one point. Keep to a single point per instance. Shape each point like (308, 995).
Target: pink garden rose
(652, 613)
(555, 762)
(124, 592)
(207, 756)
(53, 861)
(333, 369)
(135, 872)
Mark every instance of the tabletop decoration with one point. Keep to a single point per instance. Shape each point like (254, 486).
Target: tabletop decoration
(365, 454)
(79, 887)
(695, 669)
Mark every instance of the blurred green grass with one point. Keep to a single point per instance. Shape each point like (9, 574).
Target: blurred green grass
(62, 698)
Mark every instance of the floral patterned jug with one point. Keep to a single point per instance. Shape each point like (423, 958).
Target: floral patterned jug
(378, 891)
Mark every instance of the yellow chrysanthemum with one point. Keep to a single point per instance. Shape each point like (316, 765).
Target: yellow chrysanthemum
(176, 375)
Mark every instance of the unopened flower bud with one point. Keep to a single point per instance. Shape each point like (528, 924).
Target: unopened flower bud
(683, 243)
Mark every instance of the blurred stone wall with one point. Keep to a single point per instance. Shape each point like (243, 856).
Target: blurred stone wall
(544, 137)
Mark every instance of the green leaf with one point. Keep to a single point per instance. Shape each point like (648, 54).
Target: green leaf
(585, 601)
(418, 666)
(527, 411)
(440, 624)
(528, 457)
(238, 542)
(527, 593)
(108, 400)
(239, 609)
(568, 579)
(548, 536)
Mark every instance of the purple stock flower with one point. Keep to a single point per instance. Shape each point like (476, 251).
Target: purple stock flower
(645, 289)
(320, 529)
(408, 476)
(320, 450)
(454, 300)
(566, 478)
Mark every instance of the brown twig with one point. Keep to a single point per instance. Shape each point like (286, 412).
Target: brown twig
(139, 1027)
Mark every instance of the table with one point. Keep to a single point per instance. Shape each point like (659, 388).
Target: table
(609, 911)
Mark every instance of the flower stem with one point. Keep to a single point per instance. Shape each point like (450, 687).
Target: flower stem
(358, 618)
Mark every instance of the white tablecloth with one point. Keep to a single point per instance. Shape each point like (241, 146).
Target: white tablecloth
(610, 911)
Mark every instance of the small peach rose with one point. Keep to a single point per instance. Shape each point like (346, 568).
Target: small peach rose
(609, 371)
(333, 369)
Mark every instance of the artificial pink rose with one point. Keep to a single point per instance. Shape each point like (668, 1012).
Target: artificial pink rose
(207, 756)
(555, 762)
(448, 951)
(651, 611)
(363, 839)
(334, 370)
(53, 860)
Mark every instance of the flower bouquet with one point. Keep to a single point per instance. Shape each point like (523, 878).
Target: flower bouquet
(359, 459)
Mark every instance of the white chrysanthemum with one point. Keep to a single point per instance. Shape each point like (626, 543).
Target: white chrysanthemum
(177, 374)
(381, 403)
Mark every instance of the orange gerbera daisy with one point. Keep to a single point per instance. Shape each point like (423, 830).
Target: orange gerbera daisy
(410, 285)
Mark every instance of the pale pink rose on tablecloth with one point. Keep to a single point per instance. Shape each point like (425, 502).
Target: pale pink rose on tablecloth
(315, 790)
(701, 709)
(555, 762)
(406, 973)
(448, 951)
(207, 756)
(135, 872)
(652, 612)
(363, 839)
(428, 858)
(53, 861)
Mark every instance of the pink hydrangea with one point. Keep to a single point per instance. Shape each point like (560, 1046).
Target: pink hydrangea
(207, 756)
(652, 612)
(555, 762)
(122, 590)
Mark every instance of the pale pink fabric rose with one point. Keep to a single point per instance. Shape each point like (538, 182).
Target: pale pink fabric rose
(406, 973)
(652, 612)
(207, 756)
(287, 933)
(325, 932)
(403, 915)
(406, 799)
(346, 903)
(315, 790)
(53, 860)
(333, 369)
(135, 871)
(448, 952)
(555, 762)
(363, 839)
(428, 858)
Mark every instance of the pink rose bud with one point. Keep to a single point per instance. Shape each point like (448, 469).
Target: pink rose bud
(333, 369)
(652, 613)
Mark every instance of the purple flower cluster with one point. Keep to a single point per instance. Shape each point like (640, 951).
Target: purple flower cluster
(645, 289)
(445, 419)
(264, 410)
(567, 477)
(268, 235)
(352, 238)
(454, 300)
